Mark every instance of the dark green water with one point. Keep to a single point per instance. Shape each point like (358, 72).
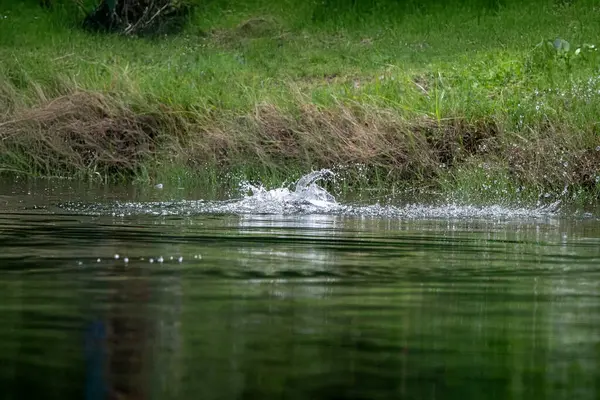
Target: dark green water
(297, 306)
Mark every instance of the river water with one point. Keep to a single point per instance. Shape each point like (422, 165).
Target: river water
(291, 294)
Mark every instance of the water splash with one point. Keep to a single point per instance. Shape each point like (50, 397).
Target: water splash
(307, 197)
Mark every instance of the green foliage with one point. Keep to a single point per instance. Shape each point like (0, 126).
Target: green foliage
(559, 56)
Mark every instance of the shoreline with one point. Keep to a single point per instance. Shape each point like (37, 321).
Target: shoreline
(259, 99)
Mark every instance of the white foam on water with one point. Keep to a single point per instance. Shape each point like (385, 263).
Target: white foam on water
(307, 197)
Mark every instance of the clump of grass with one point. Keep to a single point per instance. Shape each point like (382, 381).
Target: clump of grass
(78, 134)
(310, 136)
(98, 134)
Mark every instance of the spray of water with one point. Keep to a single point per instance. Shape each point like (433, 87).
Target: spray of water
(306, 196)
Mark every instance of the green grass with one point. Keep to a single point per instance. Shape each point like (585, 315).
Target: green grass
(476, 62)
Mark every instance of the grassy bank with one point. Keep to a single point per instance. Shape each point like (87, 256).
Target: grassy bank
(465, 97)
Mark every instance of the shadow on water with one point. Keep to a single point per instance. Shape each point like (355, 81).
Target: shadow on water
(305, 305)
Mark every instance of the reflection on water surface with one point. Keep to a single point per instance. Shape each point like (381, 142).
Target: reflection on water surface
(301, 304)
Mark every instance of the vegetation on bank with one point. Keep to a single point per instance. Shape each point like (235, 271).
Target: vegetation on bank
(482, 98)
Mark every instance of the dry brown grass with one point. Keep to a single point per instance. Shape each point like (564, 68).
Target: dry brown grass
(315, 137)
(79, 132)
(87, 133)
(554, 156)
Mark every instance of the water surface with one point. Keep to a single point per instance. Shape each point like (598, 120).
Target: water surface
(108, 293)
